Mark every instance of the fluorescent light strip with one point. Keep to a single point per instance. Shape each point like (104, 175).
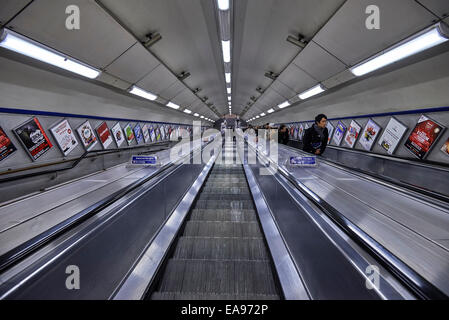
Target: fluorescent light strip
(202, 117)
(284, 105)
(173, 106)
(228, 77)
(262, 114)
(142, 93)
(226, 46)
(223, 5)
(411, 47)
(196, 115)
(187, 111)
(20, 44)
(270, 111)
(312, 92)
(229, 90)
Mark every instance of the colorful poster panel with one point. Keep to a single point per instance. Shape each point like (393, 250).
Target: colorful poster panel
(7, 148)
(339, 133)
(87, 136)
(129, 134)
(296, 133)
(292, 132)
(330, 130)
(392, 136)
(162, 129)
(423, 137)
(105, 135)
(353, 134)
(445, 147)
(158, 134)
(301, 132)
(369, 135)
(118, 134)
(146, 134)
(65, 137)
(152, 134)
(138, 134)
(33, 138)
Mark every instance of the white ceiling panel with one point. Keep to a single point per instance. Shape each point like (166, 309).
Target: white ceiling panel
(184, 99)
(318, 63)
(282, 89)
(347, 37)
(98, 42)
(134, 64)
(158, 79)
(171, 92)
(340, 78)
(272, 98)
(113, 81)
(296, 79)
(439, 7)
(8, 8)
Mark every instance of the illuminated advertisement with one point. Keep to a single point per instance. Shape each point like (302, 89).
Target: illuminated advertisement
(65, 137)
(162, 129)
(33, 138)
(423, 137)
(87, 136)
(138, 134)
(300, 132)
(105, 135)
(7, 148)
(330, 130)
(339, 133)
(146, 133)
(129, 134)
(369, 135)
(158, 134)
(392, 136)
(353, 134)
(118, 134)
(152, 134)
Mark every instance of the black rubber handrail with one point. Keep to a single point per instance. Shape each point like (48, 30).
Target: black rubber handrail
(420, 286)
(76, 162)
(22, 251)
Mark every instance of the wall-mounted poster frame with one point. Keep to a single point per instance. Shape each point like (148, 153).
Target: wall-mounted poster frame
(104, 134)
(423, 137)
(87, 135)
(152, 134)
(7, 148)
(369, 135)
(65, 137)
(33, 138)
(158, 134)
(339, 133)
(162, 129)
(129, 134)
(146, 134)
(392, 135)
(118, 134)
(352, 134)
(296, 133)
(445, 148)
(138, 133)
(330, 130)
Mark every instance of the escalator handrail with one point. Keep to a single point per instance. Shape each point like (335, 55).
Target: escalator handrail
(13, 256)
(420, 286)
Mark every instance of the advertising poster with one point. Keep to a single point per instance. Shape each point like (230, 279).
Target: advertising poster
(296, 133)
(118, 134)
(138, 134)
(353, 134)
(369, 135)
(146, 134)
(392, 136)
(34, 139)
(105, 135)
(445, 147)
(7, 148)
(65, 137)
(301, 132)
(129, 134)
(330, 129)
(162, 129)
(423, 137)
(339, 133)
(87, 136)
(158, 134)
(292, 132)
(152, 134)
(306, 126)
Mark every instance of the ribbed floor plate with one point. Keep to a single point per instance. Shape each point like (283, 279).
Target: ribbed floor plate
(221, 254)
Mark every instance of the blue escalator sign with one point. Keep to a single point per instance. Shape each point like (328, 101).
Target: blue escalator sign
(303, 161)
(144, 160)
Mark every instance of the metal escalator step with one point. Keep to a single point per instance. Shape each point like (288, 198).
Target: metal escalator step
(225, 184)
(225, 204)
(226, 190)
(203, 296)
(222, 229)
(224, 197)
(224, 215)
(219, 277)
(204, 248)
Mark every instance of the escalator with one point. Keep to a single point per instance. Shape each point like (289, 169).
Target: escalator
(221, 252)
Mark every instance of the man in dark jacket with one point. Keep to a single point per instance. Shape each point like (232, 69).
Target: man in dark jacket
(315, 138)
(283, 137)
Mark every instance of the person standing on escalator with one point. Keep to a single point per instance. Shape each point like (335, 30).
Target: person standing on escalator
(315, 138)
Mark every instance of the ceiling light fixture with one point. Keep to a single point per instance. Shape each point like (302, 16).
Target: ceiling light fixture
(196, 115)
(312, 92)
(271, 110)
(226, 46)
(228, 77)
(187, 111)
(223, 5)
(173, 106)
(228, 90)
(142, 93)
(284, 105)
(13, 41)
